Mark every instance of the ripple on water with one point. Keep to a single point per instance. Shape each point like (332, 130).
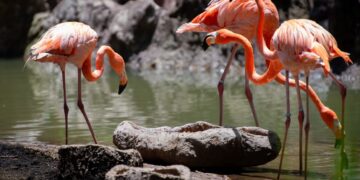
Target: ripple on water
(31, 110)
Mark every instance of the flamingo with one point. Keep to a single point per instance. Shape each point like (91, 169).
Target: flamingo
(225, 36)
(73, 42)
(302, 45)
(241, 17)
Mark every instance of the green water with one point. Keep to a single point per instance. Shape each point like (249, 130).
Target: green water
(31, 111)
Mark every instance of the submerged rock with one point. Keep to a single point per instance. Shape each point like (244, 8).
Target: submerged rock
(175, 172)
(200, 144)
(93, 161)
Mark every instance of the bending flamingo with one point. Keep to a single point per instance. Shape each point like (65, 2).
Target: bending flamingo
(301, 45)
(73, 42)
(224, 36)
(239, 16)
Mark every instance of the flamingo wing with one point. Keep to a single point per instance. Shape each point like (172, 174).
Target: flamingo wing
(320, 50)
(239, 16)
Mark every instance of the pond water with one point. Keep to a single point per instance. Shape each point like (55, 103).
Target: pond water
(31, 111)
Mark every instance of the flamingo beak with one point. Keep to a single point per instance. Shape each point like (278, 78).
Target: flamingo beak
(209, 40)
(123, 82)
(121, 88)
(205, 45)
(338, 134)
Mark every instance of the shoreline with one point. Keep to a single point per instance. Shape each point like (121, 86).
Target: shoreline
(40, 161)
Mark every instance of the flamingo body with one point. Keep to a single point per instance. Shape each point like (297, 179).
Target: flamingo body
(239, 16)
(302, 44)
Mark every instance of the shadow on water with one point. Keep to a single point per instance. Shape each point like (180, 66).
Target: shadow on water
(31, 110)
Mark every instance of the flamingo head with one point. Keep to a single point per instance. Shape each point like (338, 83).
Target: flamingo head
(332, 121)
(209, 40)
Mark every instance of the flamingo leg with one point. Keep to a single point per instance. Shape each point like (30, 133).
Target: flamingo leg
(287, 121)
(301, 120)
(221, 88)
(66, 108)
(81, 107)
(344, 159)
(307, 124)
(220, 85)
(250, 99)
(342, 88)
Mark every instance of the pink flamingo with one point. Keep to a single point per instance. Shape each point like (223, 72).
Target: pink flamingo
(73, 42)
(302, 45)
(239, 16)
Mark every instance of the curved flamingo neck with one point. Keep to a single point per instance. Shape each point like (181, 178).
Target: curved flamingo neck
(93, 75)
(272, 72)
(116, 62)
(226, 36)
(263, 48)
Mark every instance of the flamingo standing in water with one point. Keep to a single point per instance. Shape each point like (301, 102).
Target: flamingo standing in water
(241, 16)
(302, 45)
(73, 42)
(224, 36)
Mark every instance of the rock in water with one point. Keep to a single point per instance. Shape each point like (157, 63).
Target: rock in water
(93, 161)
(176, 172)
(200, 144)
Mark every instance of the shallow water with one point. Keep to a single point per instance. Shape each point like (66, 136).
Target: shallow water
(31, 110)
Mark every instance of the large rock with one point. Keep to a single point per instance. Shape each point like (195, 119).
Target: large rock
(175, 172)
(200, 144)
(93, 161)
(132, 27)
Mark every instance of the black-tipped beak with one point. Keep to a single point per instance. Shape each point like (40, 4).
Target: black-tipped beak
(121, 88)
(205, 45)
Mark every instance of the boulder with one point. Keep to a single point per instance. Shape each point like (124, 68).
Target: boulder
(132, 27)
(93, 161)
(175, 172)
(200, 144)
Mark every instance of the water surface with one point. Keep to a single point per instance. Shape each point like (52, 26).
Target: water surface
(31, 105)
